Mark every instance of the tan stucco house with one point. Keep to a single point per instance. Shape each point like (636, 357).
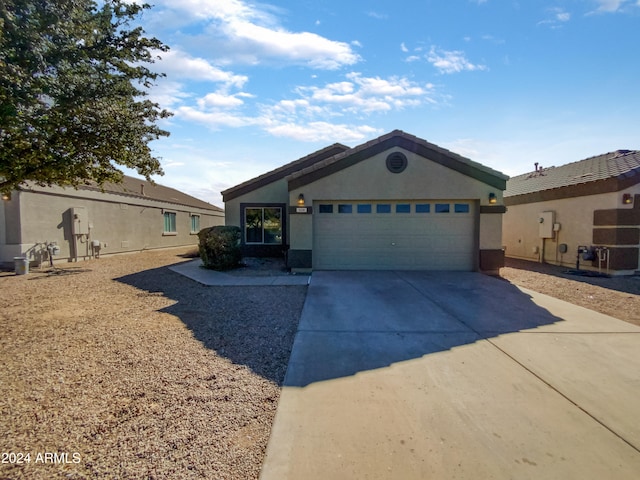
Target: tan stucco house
(585, 214)
(88, 221)
(395, 202)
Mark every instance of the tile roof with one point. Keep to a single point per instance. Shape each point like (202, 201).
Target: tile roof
(407, 141)
(621, 164)
(282, 172)
(140, 188)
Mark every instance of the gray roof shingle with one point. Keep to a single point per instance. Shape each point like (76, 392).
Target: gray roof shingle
(282, 172)
(620, 164)
(140, 188)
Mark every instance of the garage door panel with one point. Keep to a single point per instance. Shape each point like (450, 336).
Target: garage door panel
(415, 240)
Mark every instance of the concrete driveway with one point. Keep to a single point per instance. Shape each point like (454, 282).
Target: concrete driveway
(431, 375)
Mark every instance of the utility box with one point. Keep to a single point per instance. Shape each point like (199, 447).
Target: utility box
(545, 224)
(80, 221)
(21, 265)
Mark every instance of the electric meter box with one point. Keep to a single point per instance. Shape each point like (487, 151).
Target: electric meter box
(80, 221)
(545, 224)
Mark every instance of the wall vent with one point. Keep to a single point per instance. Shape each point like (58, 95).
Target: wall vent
(396, 162)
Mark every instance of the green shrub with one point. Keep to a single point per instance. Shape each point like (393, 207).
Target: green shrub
(220, 247)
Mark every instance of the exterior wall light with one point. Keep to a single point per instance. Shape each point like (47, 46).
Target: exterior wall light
(492, 199)
(301, 200)
(6, 196)
(627, 199)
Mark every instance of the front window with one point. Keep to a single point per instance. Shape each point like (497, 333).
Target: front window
(263, 225)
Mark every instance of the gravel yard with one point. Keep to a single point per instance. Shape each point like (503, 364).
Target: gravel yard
(140, 372)
(134, 371)
(618, 297)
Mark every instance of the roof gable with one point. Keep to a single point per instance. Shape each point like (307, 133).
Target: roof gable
(397, 138)
(608, 172)
(282, 172)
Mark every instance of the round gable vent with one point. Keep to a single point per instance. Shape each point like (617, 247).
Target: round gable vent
(396, 162)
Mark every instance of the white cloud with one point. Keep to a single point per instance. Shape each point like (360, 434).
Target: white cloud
(558, 17)
(309, 115)
(220, 9)
(369, 94)
(614, 6)
(167, 93)
(492, 39)
(213, 119)
(306, 48)
(238, 32)
(172, 164)
(403, 47)
(214, 100)
(451, 61)
(377, 15)
(179, 65)
(609, 5)
(180, 68)
(323, 131)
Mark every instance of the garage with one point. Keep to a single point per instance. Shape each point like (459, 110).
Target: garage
(395, 235)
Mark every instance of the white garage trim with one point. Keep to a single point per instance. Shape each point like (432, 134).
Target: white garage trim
(402, 235)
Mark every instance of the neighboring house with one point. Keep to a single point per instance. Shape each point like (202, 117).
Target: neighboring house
(592, 205)
(396, 202)
(84, 222)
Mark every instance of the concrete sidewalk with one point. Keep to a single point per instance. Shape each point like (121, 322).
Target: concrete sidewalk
(419, 375)
(194, 271)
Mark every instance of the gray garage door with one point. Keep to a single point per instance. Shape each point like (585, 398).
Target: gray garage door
(366, 235)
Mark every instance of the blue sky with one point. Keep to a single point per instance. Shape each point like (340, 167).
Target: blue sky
(506, 83)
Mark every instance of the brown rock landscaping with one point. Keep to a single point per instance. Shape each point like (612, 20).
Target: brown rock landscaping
(125, 369)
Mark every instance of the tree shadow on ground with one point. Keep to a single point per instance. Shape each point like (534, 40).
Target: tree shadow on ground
(358, 321)
(251, 326)
(625, 284)
(352, 321)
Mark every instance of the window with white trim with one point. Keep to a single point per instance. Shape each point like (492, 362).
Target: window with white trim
(195, 223)
(170, 222)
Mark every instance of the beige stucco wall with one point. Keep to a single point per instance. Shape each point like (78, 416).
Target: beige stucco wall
(421, 180)
(520, 231)
(121, 223)
(490, 235)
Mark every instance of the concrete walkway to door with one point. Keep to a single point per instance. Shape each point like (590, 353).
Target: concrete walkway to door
(440, 375)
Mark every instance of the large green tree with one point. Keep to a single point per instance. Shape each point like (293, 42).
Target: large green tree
(73, 86)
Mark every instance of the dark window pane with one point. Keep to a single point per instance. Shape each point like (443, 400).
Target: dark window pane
(403, 208)
(326, 208)
(383, 208)
(442, 208)
(364, 208)
(345, 208)
(423, 208)
(272, 226)
(253, 225)
(461, 208)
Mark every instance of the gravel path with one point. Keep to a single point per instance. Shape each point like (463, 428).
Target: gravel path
(134, 371)
(140, 372)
